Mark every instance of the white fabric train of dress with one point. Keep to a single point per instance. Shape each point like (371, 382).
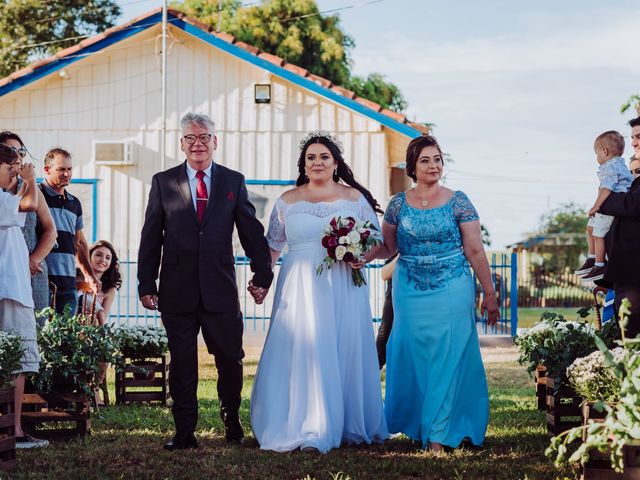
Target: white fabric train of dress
(317, 383)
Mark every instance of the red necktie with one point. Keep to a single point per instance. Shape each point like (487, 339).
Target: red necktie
(201, 195)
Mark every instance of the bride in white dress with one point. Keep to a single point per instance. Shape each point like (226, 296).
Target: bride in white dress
(318, 382)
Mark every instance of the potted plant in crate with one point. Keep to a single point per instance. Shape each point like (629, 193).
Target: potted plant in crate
(594, 380)
(619, 434)
(142, 344)
(71, 351)
(555, 343)
(11, 351)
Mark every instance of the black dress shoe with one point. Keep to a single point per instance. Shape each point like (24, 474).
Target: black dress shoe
(233, 433)
(175, 443)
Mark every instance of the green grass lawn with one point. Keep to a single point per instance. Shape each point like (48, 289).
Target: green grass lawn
(127, 443)
(527, 317)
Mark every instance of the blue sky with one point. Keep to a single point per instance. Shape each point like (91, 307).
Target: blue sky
(517, 90)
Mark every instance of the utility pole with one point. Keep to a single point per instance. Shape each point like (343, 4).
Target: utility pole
(163, 114)
(219, 15)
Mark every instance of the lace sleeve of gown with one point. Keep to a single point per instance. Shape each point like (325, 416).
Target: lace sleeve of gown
(276, 236)
(463, 209)
(393, 209)
(368, 213)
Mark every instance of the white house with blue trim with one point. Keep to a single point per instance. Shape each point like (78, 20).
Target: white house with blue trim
(101, 100)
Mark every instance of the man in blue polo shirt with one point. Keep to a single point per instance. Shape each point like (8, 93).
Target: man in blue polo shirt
(72, 244)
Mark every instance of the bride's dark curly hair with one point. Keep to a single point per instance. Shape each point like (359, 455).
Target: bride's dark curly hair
(111, 278)
(343, 173)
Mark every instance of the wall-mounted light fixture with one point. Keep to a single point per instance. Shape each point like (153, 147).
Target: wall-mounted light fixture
(263, 93)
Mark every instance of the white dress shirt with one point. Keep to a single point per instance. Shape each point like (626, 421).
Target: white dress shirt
(193, 182)
(15, 278)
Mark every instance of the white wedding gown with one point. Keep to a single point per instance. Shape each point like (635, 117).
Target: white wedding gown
(318, 383)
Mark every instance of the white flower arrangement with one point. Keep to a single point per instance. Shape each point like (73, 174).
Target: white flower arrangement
(555, 343)
(593, 380)
(140, 342)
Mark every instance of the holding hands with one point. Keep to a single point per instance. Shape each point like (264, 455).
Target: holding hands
(258, 293)
(150, 302)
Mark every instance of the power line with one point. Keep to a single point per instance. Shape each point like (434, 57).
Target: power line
(356, 5)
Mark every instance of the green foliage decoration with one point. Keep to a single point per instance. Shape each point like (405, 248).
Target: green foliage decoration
(556, 342)
(621, 426)
(11, 350)
(592, 379)
(633, 101)
(72, 350)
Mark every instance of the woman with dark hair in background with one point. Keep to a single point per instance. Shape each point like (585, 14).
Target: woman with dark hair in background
(104, 261)
(39, 231)
(318, 383)
(436, 389)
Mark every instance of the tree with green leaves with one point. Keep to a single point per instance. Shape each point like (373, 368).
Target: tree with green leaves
(377, 89)
(292, 29)
(633, 101)
(30, 29)
(568, 224)
(298, 32)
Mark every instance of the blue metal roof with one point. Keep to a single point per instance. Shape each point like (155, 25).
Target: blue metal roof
(213, 40)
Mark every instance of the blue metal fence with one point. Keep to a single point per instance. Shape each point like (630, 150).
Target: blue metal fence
(128, 310)
(504, 273)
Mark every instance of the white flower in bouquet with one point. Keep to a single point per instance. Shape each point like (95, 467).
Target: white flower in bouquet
(353, 238)
(347, 239)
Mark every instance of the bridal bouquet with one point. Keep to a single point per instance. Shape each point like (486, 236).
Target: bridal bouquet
(346, 240)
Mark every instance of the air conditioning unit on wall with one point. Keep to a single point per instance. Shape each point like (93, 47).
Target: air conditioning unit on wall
(114, 153)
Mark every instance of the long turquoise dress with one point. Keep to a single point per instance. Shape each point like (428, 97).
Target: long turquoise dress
(436, 388)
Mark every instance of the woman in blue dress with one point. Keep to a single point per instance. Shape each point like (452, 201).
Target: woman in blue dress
(436, 388)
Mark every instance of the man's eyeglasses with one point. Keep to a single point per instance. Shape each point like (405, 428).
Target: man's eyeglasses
(203, 137)
(635, 171)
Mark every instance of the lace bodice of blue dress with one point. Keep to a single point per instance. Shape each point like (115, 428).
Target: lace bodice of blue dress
(429, 241)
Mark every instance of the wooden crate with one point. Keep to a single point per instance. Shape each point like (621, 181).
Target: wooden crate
(540, 375)
(156, 389)
(599, 466)
(72, 421)
(563, 407)
(7, 430)
(590, 413)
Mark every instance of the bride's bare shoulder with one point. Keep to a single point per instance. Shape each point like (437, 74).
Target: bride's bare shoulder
(292, 196)
(350, 193)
